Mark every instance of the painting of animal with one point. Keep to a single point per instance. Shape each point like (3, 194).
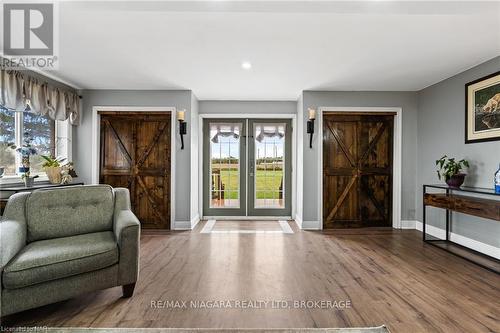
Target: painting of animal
(493, 104)
(482, 98)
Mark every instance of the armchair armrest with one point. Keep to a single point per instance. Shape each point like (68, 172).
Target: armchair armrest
(123, 220)
(127, 229)
(13, 232)
(13, 228)
(12, 240)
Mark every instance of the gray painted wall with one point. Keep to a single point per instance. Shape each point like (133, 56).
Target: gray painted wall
(441, 128)
(245, 107)
(82, 135)
(406, 100)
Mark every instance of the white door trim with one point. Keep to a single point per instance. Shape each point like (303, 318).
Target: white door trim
(397, 157)
(96, 129)
(292, 116)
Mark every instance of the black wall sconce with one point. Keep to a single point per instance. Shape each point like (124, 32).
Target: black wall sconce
(310, 126)
(181, 116)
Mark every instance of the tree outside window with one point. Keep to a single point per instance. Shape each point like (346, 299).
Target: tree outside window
(41, 128)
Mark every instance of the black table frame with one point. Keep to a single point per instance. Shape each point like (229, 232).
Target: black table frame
(16, 188)
(447, 240)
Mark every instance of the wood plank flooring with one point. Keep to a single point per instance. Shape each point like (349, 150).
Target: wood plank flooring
(389, 276)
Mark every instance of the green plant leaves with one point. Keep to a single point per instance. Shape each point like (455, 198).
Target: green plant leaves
(449, 167)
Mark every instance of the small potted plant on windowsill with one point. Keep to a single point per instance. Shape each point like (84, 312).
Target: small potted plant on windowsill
(452, 171)
(53, 168)
(28, 181)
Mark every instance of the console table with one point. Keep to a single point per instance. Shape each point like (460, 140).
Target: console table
(8, 190)
(460, 200)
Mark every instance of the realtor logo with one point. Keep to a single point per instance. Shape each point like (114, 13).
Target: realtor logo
(29, 31)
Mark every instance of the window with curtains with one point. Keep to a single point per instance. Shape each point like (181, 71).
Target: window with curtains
(12, 127)
(30, 104)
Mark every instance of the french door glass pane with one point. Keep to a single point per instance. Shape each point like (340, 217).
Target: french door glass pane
(225, 165)
(269, 165)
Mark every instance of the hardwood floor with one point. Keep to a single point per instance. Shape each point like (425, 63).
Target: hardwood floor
(389, 276)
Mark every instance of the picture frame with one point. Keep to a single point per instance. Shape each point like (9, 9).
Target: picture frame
(482, 109)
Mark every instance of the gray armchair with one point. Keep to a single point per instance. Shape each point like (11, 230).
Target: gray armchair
(58, 243)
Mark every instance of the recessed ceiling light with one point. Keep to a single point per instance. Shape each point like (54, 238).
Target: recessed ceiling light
(246, 65)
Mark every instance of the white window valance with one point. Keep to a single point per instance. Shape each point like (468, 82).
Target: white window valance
(21, 92)
(269, 130)
(224, 130)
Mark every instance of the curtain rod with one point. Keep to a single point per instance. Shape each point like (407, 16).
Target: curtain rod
(39, 76)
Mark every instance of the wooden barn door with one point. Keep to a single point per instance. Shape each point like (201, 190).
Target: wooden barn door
(357, 170)
(135, 153)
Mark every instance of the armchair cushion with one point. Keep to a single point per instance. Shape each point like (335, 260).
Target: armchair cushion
(70, 211)
(53, 259)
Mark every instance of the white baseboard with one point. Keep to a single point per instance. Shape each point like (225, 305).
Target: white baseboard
(195, 220)
(487, 249)
(298, 221)
(311, 225)
(186, 225)
(307, 225)
(408, 224)
(182, 225)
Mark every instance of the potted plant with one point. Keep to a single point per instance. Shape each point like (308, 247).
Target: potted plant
(53, 167)
(452, 171)
(28, 181)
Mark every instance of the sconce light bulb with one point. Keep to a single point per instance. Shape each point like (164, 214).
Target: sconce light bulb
(312, 114)
(181, 115)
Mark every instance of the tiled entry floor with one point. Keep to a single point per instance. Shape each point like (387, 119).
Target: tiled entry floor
(246, 227)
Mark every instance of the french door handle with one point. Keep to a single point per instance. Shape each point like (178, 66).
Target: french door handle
(251, 168)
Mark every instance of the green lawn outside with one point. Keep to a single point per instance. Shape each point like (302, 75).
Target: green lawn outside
(268, 183)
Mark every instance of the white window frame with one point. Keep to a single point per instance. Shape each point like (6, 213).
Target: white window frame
(63, 145)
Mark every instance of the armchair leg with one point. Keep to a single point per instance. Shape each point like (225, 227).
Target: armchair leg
(128, 290)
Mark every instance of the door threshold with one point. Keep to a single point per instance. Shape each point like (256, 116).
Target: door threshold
(248, 218)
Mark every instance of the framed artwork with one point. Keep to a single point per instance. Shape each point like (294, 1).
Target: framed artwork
(482, 109)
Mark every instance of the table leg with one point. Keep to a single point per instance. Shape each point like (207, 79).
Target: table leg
(423, 215)
(448, 213)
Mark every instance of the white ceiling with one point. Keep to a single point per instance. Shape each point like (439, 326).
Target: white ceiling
(292, 45)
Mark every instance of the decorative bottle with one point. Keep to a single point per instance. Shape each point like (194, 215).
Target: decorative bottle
(497, 180)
